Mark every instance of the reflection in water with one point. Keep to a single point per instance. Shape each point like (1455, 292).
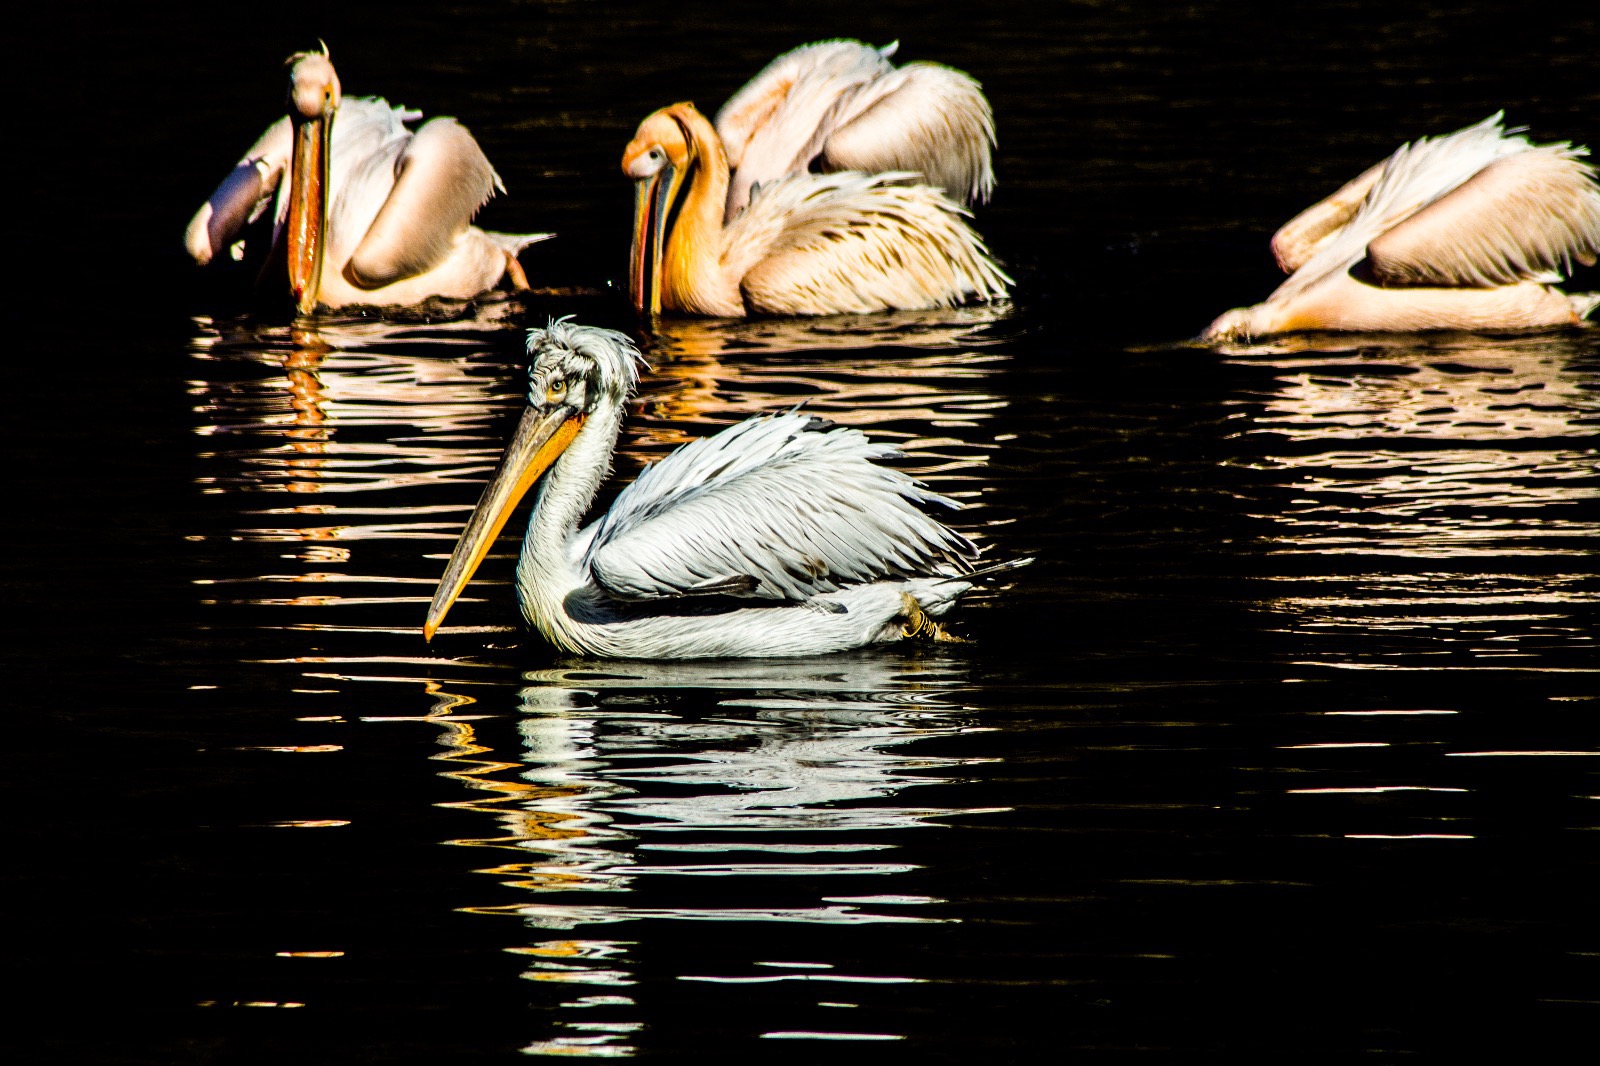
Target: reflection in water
(783, 781)
(732, 827)
(394, 426)
(1433, 452)
(730, 339)
(354, 414)
(1197, 863)
(923, 379)
(782, 776)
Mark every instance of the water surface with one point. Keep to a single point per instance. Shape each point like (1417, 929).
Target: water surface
(1284, 747)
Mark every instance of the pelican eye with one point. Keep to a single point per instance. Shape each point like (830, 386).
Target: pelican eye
(556, 391)
(657, 155)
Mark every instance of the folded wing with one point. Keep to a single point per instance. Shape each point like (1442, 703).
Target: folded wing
(777, 507)
(242, 196)
(1523, 217)
(1298, 239)
(923, 117)
(442, 178)
(841, 105)
(814, 243)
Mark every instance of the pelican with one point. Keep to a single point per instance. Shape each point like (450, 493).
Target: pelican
(841, 105)
(1466, 231)
(729, 220)
(371, 213)
(778, 536)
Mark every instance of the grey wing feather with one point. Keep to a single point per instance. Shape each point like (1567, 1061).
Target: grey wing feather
(442, 177)
(1522, 217)
(777, 507)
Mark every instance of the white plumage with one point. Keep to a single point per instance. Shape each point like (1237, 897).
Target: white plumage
(841, 105)
(856, 242)
(1466, 231)
(832, 182)
(388, 209)
(777, 536)
(805, 244)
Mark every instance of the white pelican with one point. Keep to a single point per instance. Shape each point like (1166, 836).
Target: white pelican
(728, 220)
(777, 536)
(1466, 231)
(841, 105)
(371, 213)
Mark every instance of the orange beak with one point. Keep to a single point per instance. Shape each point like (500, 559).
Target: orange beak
(540, 439)
(654, 196)
(308, 209)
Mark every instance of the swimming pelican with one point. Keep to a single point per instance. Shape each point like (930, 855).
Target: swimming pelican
(777, 536)
(729, 221)
(1465, 231)
(371, 213)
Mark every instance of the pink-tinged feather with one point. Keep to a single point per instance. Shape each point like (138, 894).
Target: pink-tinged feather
(1468, 231)
(841, 105)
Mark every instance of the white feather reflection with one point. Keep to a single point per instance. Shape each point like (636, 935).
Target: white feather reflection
(950, 327)
(353, 408)
(711, 760)
(922, 381)
(1497, 451)
(613, 757)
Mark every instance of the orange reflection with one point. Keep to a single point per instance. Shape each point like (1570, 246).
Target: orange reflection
(392, 426)
(918, 367)
(381, 421)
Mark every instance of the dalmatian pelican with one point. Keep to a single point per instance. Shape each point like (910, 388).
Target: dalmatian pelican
(778, 536)
(371, 212)
(1467, 231)
(833, 182)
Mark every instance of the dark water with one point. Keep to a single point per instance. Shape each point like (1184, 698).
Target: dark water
(1283, 751)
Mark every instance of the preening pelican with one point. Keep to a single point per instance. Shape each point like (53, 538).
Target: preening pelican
(777, 536)
(841, 105)
(371, 213)
(1465, 231)
(728, 219)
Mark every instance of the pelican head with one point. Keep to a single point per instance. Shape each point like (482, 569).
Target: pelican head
(580, 368)
(658, 159)
(1245, 324)
(576, 371)
(314, 90)
(1234, 325)
(314, 96)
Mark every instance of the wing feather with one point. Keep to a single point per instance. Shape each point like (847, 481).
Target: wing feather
(1415, 175)
(442, 178)
(850, 242)
(243, 194)
(776, 124)
(924, 117)
(1523, 217)
(778, 507)
(1298, 239)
